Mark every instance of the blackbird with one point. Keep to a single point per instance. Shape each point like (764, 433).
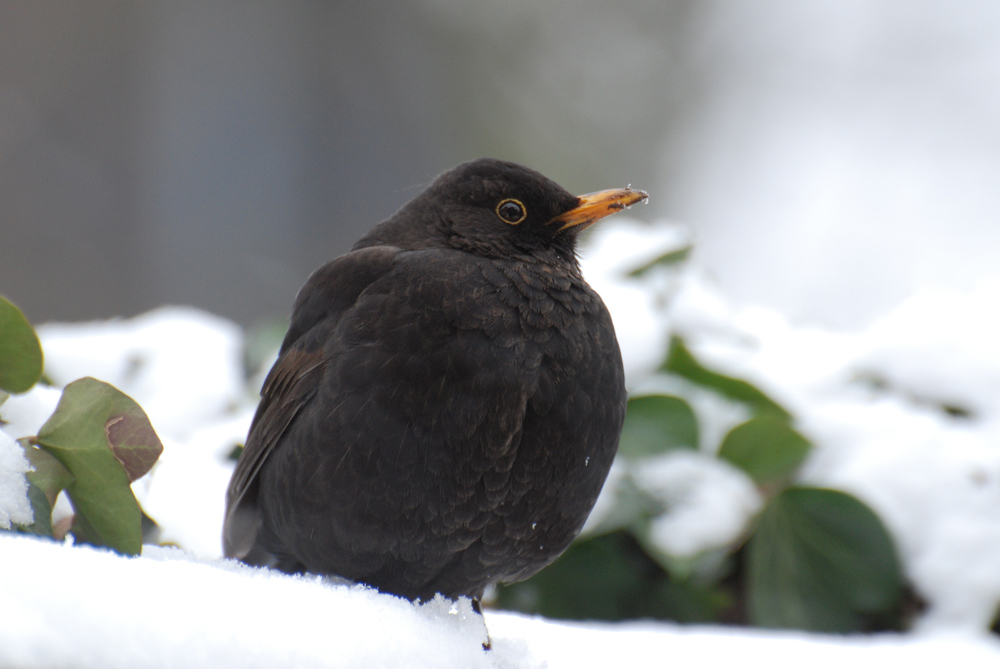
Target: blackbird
(448, 399)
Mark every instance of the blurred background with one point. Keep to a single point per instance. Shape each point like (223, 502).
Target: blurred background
(830, 157)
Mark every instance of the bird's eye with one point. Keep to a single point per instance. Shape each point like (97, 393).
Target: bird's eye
(511, 211)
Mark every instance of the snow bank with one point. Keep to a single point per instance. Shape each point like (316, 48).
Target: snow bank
(81, 607)
(904, 414)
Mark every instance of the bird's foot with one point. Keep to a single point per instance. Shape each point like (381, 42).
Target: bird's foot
(478, 608)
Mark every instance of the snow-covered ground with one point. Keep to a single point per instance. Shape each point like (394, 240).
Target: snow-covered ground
(80, 607)
(905, 415)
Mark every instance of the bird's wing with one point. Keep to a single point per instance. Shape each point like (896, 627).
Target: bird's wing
(293, 380)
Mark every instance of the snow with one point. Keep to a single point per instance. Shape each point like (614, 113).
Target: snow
(879, 404)
(185, 492)
(939, 336)
(14, 506)
(571, 646)
(24, 414)
(81, 607)
(709, 502)
(934, 478)
(182, 365)
(874, 402)
(936, 484)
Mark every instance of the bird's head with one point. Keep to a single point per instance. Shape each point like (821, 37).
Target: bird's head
(499, 209)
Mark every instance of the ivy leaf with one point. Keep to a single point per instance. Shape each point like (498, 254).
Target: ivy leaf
(105, 441)
(41, 512)
(49, 475)
(766, 448)
(681, 362)
(656, 424)
(609, 577)
(48, 479)
(821, 560)
(20, 352)
(133, 441)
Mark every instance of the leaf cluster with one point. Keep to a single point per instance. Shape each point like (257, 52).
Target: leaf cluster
(94, 445)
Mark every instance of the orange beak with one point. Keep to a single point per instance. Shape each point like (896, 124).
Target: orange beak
(595, 206)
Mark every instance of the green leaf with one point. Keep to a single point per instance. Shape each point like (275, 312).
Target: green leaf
(656, 424)
(42, 511)
(610, 578)
(680, 361)
(766, 448)
(20, 352)
(45, 482)
(665, 260)
(821, 560)
(235, 452)
(49, 475)
(105, 440)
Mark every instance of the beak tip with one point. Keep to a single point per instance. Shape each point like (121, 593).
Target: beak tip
(595, 206)
(635, 197)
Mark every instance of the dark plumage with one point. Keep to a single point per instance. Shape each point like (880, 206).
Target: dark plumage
(448, 398)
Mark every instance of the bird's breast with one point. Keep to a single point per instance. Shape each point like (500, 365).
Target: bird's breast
(541, 300)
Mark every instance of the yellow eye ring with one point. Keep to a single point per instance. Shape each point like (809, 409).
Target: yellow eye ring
(511, 211)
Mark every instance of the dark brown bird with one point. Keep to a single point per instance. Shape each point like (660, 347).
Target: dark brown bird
(447, 401)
